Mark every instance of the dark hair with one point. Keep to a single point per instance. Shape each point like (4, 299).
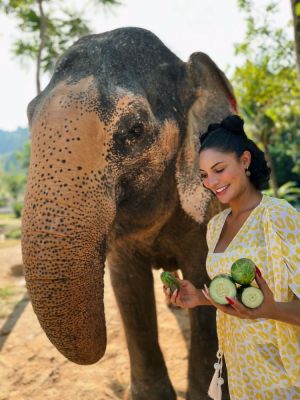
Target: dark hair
(229, 136)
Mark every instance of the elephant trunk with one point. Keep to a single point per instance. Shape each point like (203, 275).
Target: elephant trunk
(64, 235)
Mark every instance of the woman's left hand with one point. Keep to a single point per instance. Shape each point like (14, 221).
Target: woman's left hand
(237, 309)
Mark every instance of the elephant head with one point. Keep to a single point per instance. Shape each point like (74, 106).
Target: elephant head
(120, 113)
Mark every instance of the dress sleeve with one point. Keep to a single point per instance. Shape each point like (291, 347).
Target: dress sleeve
(286, 223)
(211, 228)
(209, 234)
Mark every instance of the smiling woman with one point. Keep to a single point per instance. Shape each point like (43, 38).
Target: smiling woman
(229, 159)
(261, 347)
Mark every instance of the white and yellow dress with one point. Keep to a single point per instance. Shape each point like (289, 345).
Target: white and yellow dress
(262, 356)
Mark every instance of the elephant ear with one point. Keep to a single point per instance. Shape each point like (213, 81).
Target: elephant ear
(208, 98)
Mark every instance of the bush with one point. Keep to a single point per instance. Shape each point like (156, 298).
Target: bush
(3, 202)
(17, 209)
(288, 191)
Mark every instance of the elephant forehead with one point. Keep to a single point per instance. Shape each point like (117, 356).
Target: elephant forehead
(67, 127)
(128, 102)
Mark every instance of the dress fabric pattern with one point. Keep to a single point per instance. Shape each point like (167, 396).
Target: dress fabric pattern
(262, 356)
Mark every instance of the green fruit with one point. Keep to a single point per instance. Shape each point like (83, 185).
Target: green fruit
(169, 280)
(250, 296)
(243, 271)
(220, 287)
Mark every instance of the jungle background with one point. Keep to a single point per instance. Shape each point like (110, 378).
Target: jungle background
(265, 76)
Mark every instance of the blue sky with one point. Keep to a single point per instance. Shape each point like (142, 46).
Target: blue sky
(185, 26)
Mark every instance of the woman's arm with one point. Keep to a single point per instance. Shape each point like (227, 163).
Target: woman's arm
(287, 312)
(187, 296)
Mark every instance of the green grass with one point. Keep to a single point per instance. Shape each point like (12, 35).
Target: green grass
(9, 297)
(7, 217)
(6, 292)
(9, 220)
(10, 226)
(13, 234)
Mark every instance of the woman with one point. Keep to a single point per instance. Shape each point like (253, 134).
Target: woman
(261, 346)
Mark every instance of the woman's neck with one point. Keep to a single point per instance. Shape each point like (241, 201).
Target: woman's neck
(247, 201)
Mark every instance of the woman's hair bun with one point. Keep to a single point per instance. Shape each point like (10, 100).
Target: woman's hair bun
(233, 123)
(213, 127)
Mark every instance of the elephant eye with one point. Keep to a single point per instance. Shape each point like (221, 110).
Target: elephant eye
(135, 131)
(129, 137)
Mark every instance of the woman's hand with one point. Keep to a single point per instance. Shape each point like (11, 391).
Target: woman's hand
(186, 297)
(235, 308)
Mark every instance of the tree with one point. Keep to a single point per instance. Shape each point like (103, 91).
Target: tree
(296, 17)
(23, 157)
(265, 85)
(15, 184)
(48, 29)
(247, 5)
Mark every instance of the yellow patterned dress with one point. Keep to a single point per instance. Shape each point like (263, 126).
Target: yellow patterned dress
(262, 356)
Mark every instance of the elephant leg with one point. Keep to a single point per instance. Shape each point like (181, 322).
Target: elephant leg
(132, 281)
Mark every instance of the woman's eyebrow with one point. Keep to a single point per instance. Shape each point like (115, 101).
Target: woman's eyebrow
(219, 162)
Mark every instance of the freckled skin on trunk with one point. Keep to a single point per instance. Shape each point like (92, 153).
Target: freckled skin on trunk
(113, 178)
(67, 215)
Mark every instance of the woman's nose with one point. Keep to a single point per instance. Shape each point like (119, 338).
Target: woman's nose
(212, 182)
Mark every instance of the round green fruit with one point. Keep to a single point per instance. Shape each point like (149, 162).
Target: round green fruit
(243, 271)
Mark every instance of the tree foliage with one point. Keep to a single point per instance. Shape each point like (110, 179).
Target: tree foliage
(266, 84)
(12, 183)
(48, 28)
(296, 18)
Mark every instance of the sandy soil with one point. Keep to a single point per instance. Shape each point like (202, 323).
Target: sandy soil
(31, 368)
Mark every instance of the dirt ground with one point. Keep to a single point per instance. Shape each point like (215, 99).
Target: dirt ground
(31, 368)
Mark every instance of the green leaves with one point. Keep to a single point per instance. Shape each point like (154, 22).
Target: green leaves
(48, 28)
(288, 191)
(266, 84)
(297, 9)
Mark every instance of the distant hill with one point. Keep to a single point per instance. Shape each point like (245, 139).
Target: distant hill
(10, 143)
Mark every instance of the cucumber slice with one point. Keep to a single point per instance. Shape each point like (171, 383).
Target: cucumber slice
(251, 296)
(243, 271)
(222, 285)
(169, 280)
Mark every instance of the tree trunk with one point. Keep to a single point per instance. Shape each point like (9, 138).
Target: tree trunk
(43, 27)
(296, 18)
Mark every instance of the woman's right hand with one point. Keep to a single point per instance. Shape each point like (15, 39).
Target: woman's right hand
(186, 297)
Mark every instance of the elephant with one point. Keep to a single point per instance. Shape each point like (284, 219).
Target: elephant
(114, 181)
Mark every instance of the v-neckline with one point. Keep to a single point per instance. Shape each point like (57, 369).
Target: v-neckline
(226, 213)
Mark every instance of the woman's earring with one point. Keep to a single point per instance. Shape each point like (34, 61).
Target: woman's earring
(248, 173)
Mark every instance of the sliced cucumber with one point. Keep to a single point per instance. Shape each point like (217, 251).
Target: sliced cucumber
(222, 285)
(243, 271)
(250, 296)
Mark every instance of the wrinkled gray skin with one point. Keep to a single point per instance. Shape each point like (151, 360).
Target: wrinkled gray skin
(114, 177)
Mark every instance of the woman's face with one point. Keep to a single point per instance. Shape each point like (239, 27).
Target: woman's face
(224, 173)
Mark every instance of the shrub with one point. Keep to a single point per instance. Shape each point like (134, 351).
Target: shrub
(17, 208)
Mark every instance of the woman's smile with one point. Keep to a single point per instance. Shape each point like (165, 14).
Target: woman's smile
(221, 191)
